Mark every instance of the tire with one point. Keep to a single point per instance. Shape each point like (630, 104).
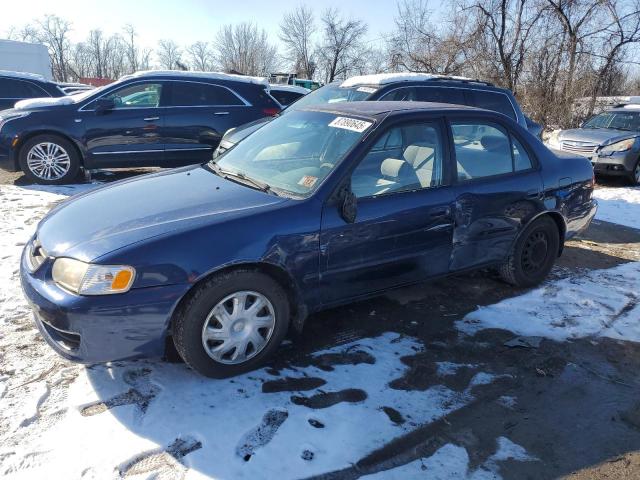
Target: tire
(533, 254)
(63, 158)
(634, 176)
(203, 314)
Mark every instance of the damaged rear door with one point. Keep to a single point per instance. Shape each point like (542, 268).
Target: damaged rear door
(498, 190)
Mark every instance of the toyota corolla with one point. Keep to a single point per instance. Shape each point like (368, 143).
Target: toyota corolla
(320, 207)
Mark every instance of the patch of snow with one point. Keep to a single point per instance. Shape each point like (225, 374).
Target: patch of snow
(195, 74)
(44, 102)
(386, 78)
(602, 303)
(507, 401)
(449, 368)
(452, 462)
(619, 205)
(507, 450)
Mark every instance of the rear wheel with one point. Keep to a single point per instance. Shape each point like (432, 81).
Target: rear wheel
(49, 160)
(232, 323)
(533, 254)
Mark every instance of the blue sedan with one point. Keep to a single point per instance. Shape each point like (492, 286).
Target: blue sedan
(320, 207)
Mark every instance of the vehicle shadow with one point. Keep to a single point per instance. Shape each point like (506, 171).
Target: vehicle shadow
(358, 386)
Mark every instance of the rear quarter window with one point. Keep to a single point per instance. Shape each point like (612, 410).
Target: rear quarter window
(193, 94)
(440, 95)
(498, 102)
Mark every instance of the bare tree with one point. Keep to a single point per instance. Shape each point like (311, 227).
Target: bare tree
(417, 44)
(505, 28)
(169, 54)
(622, 31)
(137, 59)
(576, 18)
(296, 32)
(245, 49)
(341, 45)
(53, 31)
(201, 56)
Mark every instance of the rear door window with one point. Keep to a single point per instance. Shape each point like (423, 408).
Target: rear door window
(498, 102)
(484, 150)
(440, 95)
(195, 94)
(10, 88)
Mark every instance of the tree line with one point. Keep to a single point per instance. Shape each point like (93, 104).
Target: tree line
(548, 52)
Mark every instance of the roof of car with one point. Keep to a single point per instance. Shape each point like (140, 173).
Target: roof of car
(373, 109)
(625, 108)
(196, 75)
(381, 79)
(23, 75)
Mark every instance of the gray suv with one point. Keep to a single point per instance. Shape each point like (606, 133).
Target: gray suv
(611, 140)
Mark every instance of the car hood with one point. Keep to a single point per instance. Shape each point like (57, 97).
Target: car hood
(122, 213)
(598, 136)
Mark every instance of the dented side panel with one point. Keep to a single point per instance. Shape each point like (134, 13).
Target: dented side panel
(489, 214)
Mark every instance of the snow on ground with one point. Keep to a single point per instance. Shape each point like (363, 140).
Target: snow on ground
(602, 303)
(619, 205)
(150, 419)
(452, 462)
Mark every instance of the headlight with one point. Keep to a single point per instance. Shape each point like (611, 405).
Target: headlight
(553, 141)
(622, 146)
(89, 279)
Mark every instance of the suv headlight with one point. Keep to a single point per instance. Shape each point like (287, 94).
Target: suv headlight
(90, 279)
(622, 146)
(553, 141)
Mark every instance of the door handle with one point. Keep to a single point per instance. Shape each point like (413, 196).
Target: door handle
(440, 212)
(221, 113)
(534, 193)
(151, 119)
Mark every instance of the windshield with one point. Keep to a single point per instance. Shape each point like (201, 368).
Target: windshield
(79, 97)
(616, 120)
(332, 94)
(294, 152)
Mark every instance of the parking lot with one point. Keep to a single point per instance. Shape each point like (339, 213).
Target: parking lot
(464, 377)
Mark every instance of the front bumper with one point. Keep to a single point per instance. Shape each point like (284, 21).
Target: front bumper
(94, 329)
(620, 163)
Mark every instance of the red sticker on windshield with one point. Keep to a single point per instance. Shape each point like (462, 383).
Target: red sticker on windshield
(308, 181)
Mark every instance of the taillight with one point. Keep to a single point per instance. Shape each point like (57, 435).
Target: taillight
(270, 112)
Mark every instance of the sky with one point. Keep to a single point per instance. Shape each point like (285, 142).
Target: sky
(187, 21)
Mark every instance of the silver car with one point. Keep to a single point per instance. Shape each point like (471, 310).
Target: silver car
(611, 140)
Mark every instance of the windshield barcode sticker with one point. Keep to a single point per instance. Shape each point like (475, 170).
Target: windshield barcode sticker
(367, 90)
(352, 124)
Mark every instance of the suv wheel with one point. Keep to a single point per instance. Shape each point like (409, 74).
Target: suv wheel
(634, 176)
(232, 323)
(49, 159)
(533, 254)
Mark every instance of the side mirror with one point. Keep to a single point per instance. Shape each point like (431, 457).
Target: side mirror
(349, 206)
(104, 105)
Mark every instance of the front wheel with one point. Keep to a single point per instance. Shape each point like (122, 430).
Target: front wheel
(49, 160)
(232, 323)
(533, 254)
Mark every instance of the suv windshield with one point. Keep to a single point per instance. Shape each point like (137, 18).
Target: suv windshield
(332, 94)
(294, 152)
(616, 120)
